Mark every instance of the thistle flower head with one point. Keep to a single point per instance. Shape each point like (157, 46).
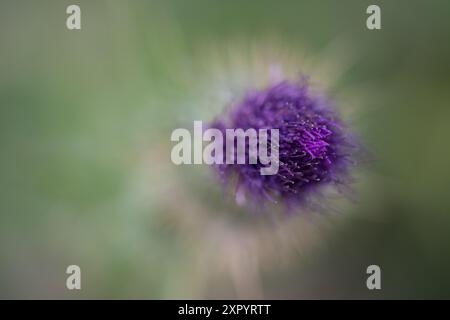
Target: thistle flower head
(315, 149)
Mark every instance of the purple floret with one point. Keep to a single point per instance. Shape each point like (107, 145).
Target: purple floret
(315, 148)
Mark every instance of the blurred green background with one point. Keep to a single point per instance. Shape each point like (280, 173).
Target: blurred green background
(85, 171)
